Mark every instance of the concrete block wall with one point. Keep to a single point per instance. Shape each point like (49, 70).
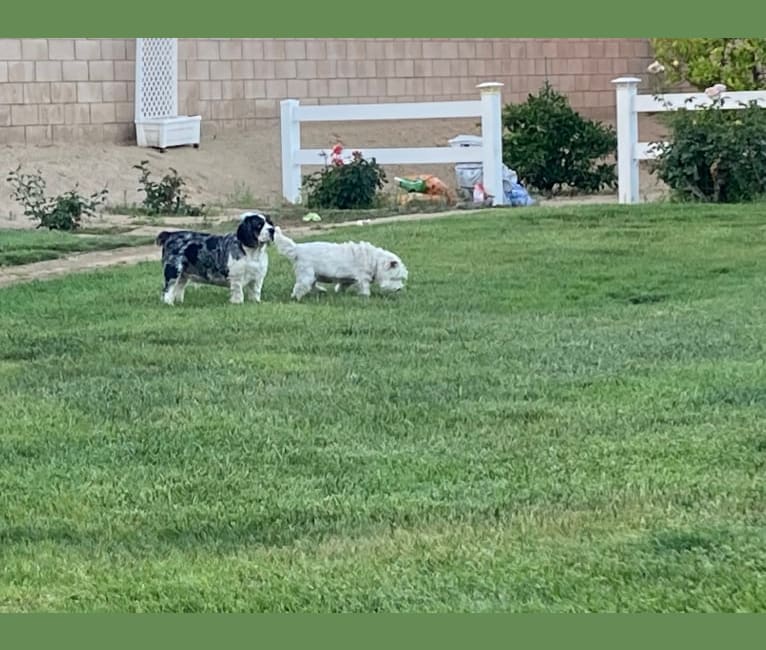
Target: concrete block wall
(64, 90)
(68, 90)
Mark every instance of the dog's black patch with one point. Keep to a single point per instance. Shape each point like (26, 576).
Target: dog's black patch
(246, 232)
(162, 237)
(171, 273)
(192, 252)
(211, 244)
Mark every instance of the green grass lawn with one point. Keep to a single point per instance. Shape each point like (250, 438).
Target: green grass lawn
(27, 246)
(564, 412)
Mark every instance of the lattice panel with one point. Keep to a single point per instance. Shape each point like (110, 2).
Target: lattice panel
(158, 92)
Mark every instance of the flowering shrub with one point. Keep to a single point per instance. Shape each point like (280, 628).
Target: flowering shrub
(350, 184)
(740, 63)
(712, 154)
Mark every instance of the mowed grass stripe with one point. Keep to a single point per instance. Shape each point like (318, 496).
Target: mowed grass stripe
(28, 246)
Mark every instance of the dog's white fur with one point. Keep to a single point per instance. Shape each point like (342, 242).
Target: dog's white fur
(248, 273)
(357, 264)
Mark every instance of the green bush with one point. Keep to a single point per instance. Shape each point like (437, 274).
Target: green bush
(738, 63)
(714, 155)
(166, 197)
(62, 212)
(350, 186)
(551, 146)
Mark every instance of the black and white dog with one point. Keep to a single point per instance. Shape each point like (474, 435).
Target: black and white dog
(237, 260)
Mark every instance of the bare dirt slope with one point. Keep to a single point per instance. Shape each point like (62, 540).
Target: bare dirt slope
(223, 171)
(233, 169)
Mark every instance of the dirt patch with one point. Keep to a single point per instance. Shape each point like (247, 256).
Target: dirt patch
(72, 263)
(231, 170)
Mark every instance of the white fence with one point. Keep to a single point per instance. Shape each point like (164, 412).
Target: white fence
(488, 108)
(629, 104)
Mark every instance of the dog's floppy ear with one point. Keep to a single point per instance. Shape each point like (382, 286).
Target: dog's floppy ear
(246, 233)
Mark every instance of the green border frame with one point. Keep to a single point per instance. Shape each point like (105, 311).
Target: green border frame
(394, 18)
(532, 631)
(389, 19)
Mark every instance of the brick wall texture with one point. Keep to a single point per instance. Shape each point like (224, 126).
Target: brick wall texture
(64, 90)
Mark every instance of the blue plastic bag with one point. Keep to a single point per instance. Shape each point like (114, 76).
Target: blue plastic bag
(518, 196)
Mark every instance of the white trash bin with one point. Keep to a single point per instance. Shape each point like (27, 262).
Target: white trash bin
(467, 174)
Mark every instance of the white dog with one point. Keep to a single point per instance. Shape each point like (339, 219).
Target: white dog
(357, 264)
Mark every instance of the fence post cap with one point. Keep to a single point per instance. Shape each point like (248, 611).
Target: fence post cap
(490, 86)
(626, 80)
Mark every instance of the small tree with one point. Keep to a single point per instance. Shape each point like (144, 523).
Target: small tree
(738, 63)
(714, 155)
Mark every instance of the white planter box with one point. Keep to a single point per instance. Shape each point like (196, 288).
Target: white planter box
(163, 132)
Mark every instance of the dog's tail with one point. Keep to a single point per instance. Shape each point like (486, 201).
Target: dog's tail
(285, 245)
(162, 237)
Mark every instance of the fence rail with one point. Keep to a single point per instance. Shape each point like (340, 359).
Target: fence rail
(629, 104)
(488, 108)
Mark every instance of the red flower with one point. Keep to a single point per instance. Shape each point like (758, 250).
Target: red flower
(337, 149)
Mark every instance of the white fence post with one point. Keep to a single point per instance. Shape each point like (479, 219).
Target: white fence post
(627, 138)
(492, 140)
(291, 144)
(629, 104)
